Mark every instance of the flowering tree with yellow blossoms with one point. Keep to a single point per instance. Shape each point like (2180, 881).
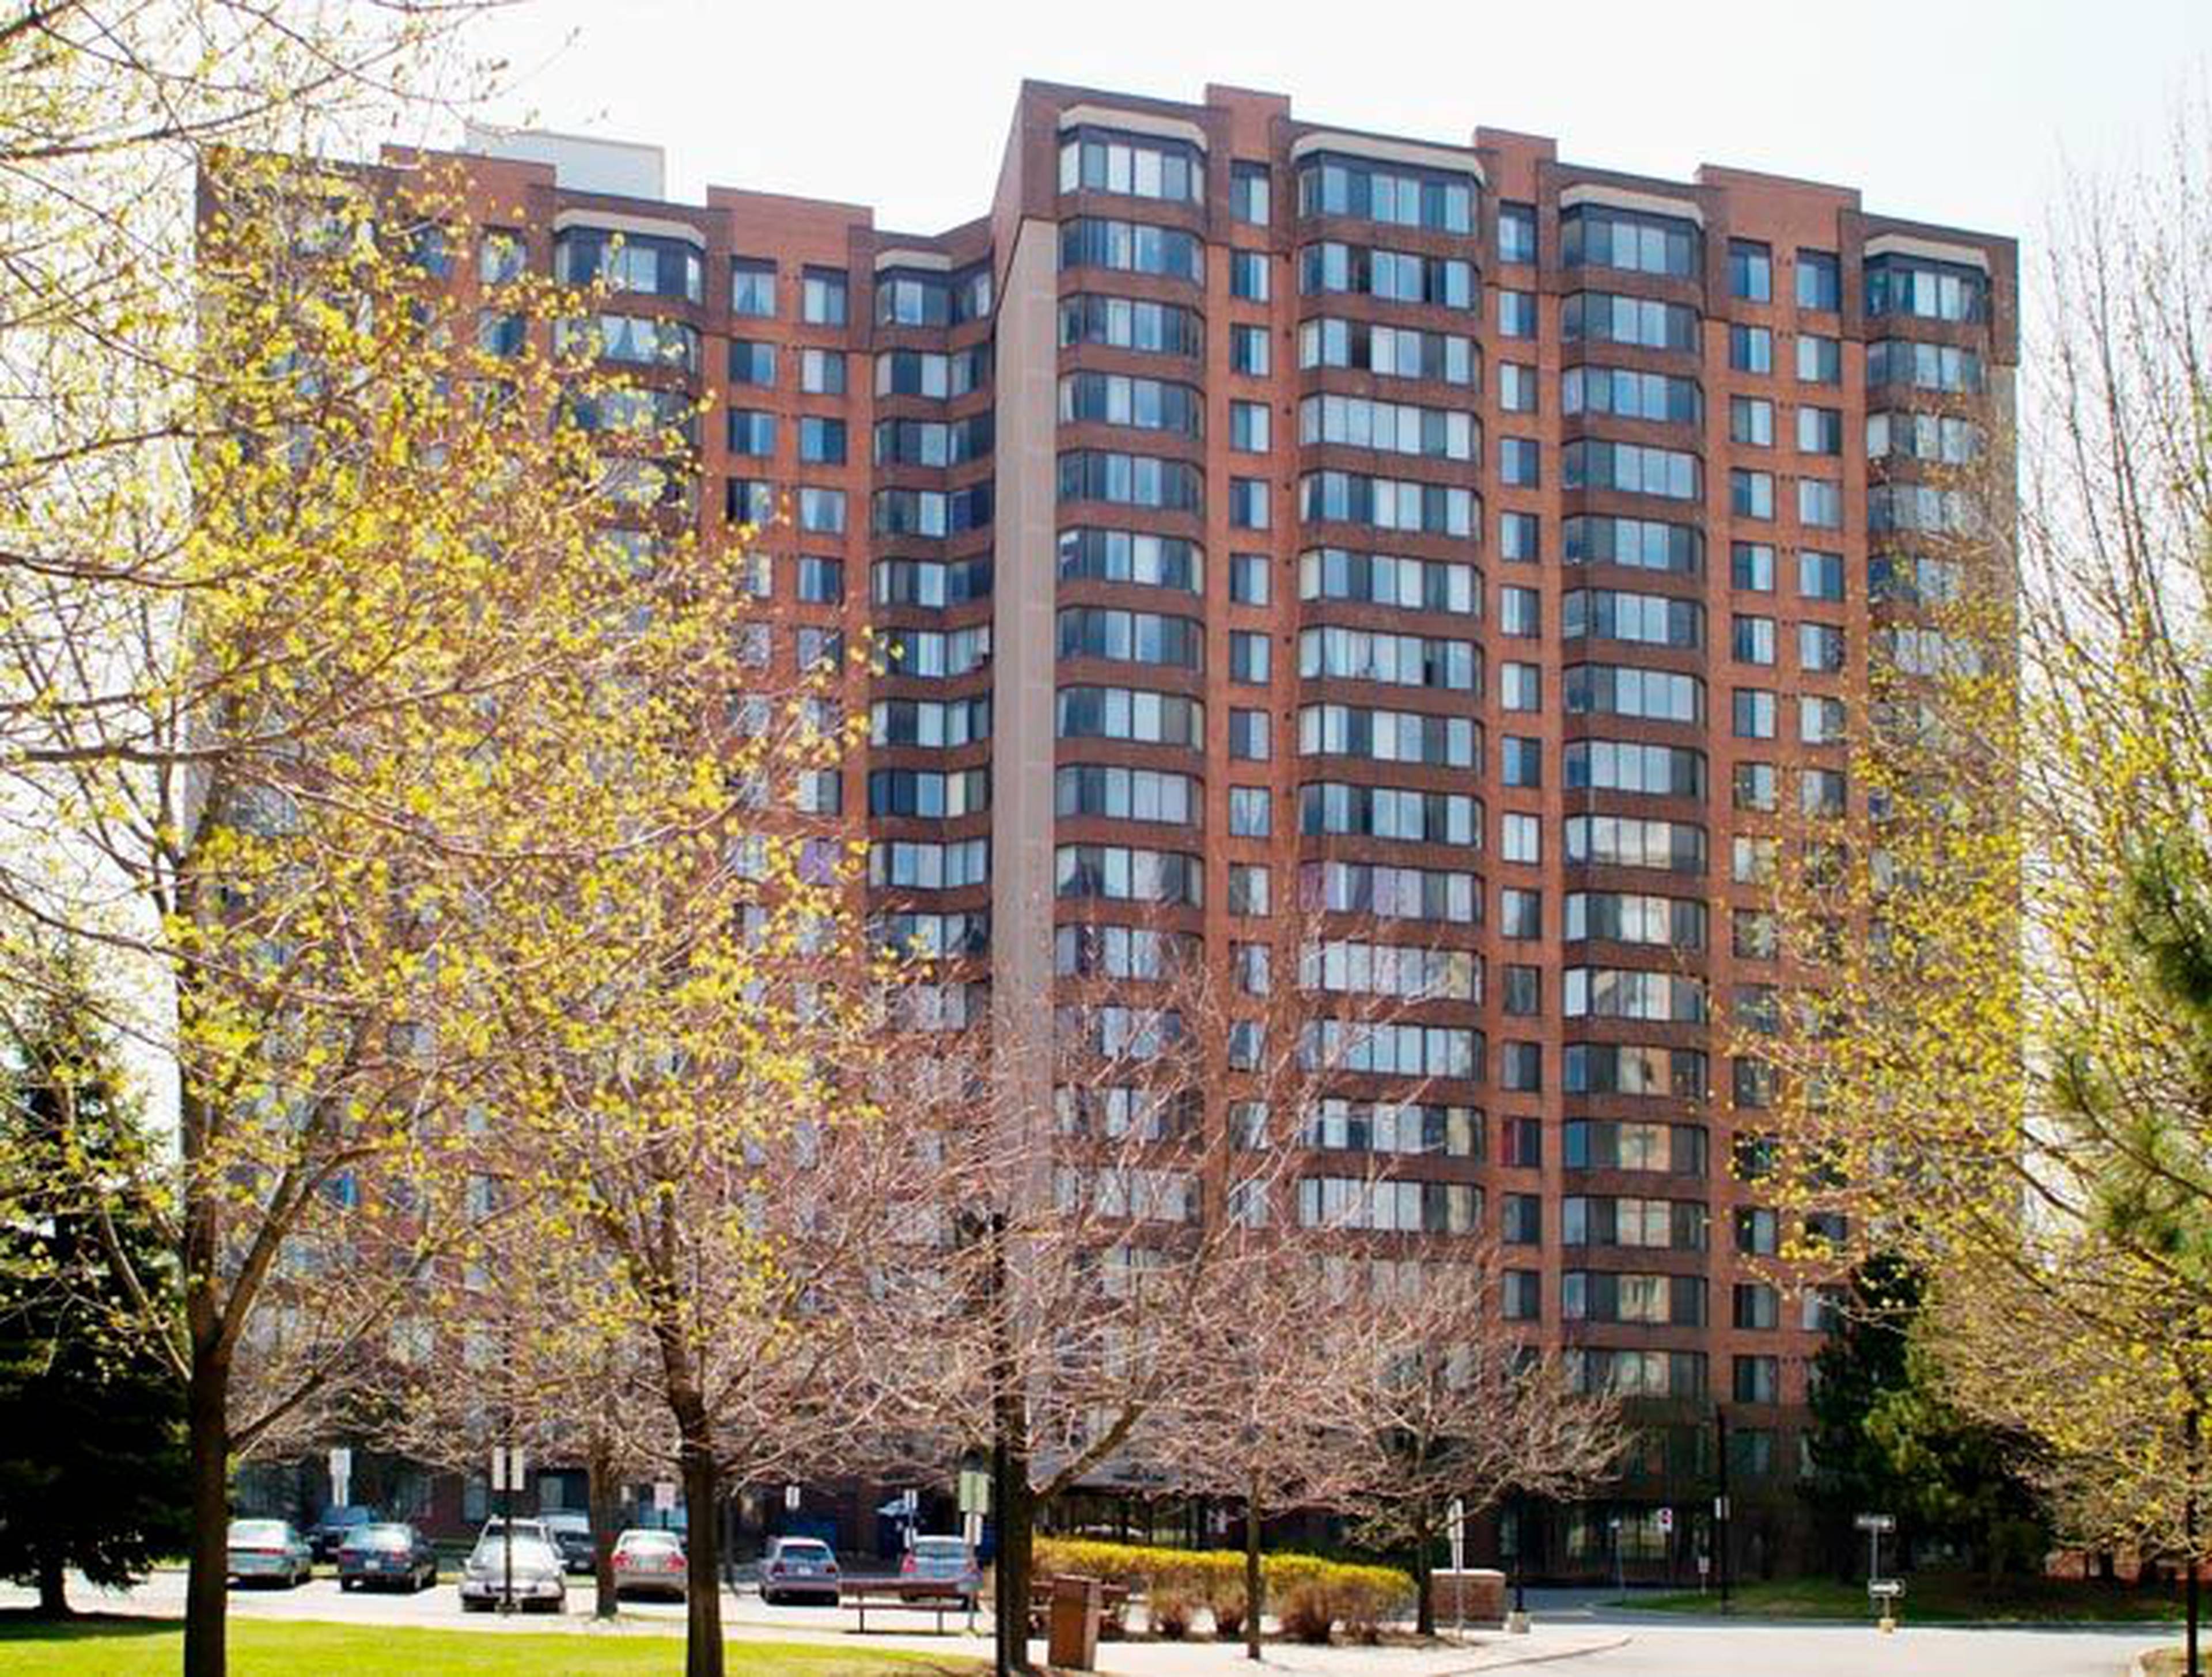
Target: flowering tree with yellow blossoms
(1996, 1057)
(357, 710)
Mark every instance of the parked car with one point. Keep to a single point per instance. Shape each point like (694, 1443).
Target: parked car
(793, 1567)
(268, 1552)
(536, 1564)
(339, 1522)
(941, 1567)
(650, 1562)
(571, 1536)
(388, 1555)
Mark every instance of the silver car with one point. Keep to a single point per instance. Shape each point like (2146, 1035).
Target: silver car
(532, 1564)
(650, 1562)
(268, 1552)
(941, 1567)
(793, 1567)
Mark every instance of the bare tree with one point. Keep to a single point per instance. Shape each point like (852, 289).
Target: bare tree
(711, 1131)
(1260, 1428)
(1451, 1404)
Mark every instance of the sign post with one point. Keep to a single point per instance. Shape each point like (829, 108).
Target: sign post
(1885, 1591)
(341, 1476)
(507, 1471)
(1458, 1529)
(664, 1502)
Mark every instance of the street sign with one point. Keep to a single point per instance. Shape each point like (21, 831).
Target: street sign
(971, 1529)
(1881, 1522)
(1886, 1590)
(1457, 1526)
(341, 1475)
(909, 1502)
(664, 1495)
(508, 1468)
(1667, 1521)
(1704, 1563)
(975, 1491)
(791, 1498)
(1720, 1508)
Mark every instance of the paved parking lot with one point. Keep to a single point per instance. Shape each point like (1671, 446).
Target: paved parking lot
(1573, 1634)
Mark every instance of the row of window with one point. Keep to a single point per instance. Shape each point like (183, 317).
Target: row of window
(1400, 276)
(1123, 951)
(1126, 323)
(936, 374)
(930, 513)
(1627, 394)
(1614, 690)
(1338, 809)
(1389, 736)
(1093, 159)
(927, 442)
(1118, 793)
(1390, 352)
(1390, 1048)
(1402, 660)
(1396, 428)
(1395, 195)
(1409, 972)
(1385, 579)
(909, 298)
(1128, 873)
(1393, 1127)
(1388, 504)
(1116, 399)
(931, 582)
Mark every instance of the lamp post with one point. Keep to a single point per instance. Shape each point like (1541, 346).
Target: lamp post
(1721, 1509)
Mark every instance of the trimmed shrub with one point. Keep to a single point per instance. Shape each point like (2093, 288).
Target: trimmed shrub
(1363, 1597)
(1309, 1614)
(1229, 1605)
(1169, 1612)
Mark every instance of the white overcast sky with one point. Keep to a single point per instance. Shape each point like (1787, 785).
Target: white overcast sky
(1957, 110)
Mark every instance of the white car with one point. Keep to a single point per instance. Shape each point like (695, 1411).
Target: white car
(531, 1564)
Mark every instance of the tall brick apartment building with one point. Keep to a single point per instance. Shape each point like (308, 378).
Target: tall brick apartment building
(1468, 545)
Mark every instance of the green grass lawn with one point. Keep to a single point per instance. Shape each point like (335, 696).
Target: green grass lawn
(1934, 1595)
(119, 1647)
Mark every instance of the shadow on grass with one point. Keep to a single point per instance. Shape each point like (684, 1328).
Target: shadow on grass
(26, 1625)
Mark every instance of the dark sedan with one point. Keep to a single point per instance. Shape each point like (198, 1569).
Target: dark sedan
(571, 1536)
(387, 1557)
(339, 1522)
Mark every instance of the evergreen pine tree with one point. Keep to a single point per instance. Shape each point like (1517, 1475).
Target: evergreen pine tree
(92, 1464)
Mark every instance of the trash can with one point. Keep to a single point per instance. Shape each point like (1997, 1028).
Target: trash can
(1072, 1643)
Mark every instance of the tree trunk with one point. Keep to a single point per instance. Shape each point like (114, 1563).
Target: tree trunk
(207, 1423)
(53, 1585)
(1255, 1583)
(702, 1590)
(1016, 1538)
(1425, 1609)
(601, 1497)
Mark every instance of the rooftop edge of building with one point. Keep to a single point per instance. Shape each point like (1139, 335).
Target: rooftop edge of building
(608, 167)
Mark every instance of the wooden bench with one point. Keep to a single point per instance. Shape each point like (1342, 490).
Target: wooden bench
(931, 1598)
(1113, 1608)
